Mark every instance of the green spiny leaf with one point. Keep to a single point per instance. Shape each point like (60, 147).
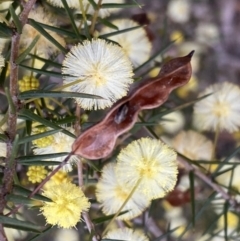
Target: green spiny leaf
(43, 32)
(19, 224)
(42, 71)
(30, 115)
(107, 35)
(38, 136)
(24, 54)
(15, 19)
(55, 94)
(40, 157)
(70, 14)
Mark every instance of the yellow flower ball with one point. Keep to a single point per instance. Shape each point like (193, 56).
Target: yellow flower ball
(28, 83)
(68, 202)
(36, 173)
(44, 141)
(220, 110)
(152, 163)
(58, 178)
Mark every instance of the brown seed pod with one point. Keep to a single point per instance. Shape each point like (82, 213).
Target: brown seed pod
(99, 140)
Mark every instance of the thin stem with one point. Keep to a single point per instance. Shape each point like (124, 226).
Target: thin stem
(64, 162)
(70, 84)
(84, 16)
(122, 206)
(94, 19)
(85, 215)
(90, 225)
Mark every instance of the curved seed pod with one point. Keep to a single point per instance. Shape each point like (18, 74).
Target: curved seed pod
(99, 140)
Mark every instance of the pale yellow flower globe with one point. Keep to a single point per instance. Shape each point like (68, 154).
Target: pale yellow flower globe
(151, 162)
(193, 145)
(126, 234)
(112, 194)
(99, 68)
(135, 43)
(68, 202)
(220, 110)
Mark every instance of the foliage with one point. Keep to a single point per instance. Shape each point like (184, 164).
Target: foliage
(78, 90)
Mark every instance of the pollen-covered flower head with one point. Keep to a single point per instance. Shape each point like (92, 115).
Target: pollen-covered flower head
(44, 141)
(36, 174)
(116, 194)
(28, 83)
(135, 43)
(57, 179)
(43, 47)
(126, 234)
(101, 68)
(57, 143)
(220, 110)
(104, 12)
(193, 145)
(150, 161)
(68, 202)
